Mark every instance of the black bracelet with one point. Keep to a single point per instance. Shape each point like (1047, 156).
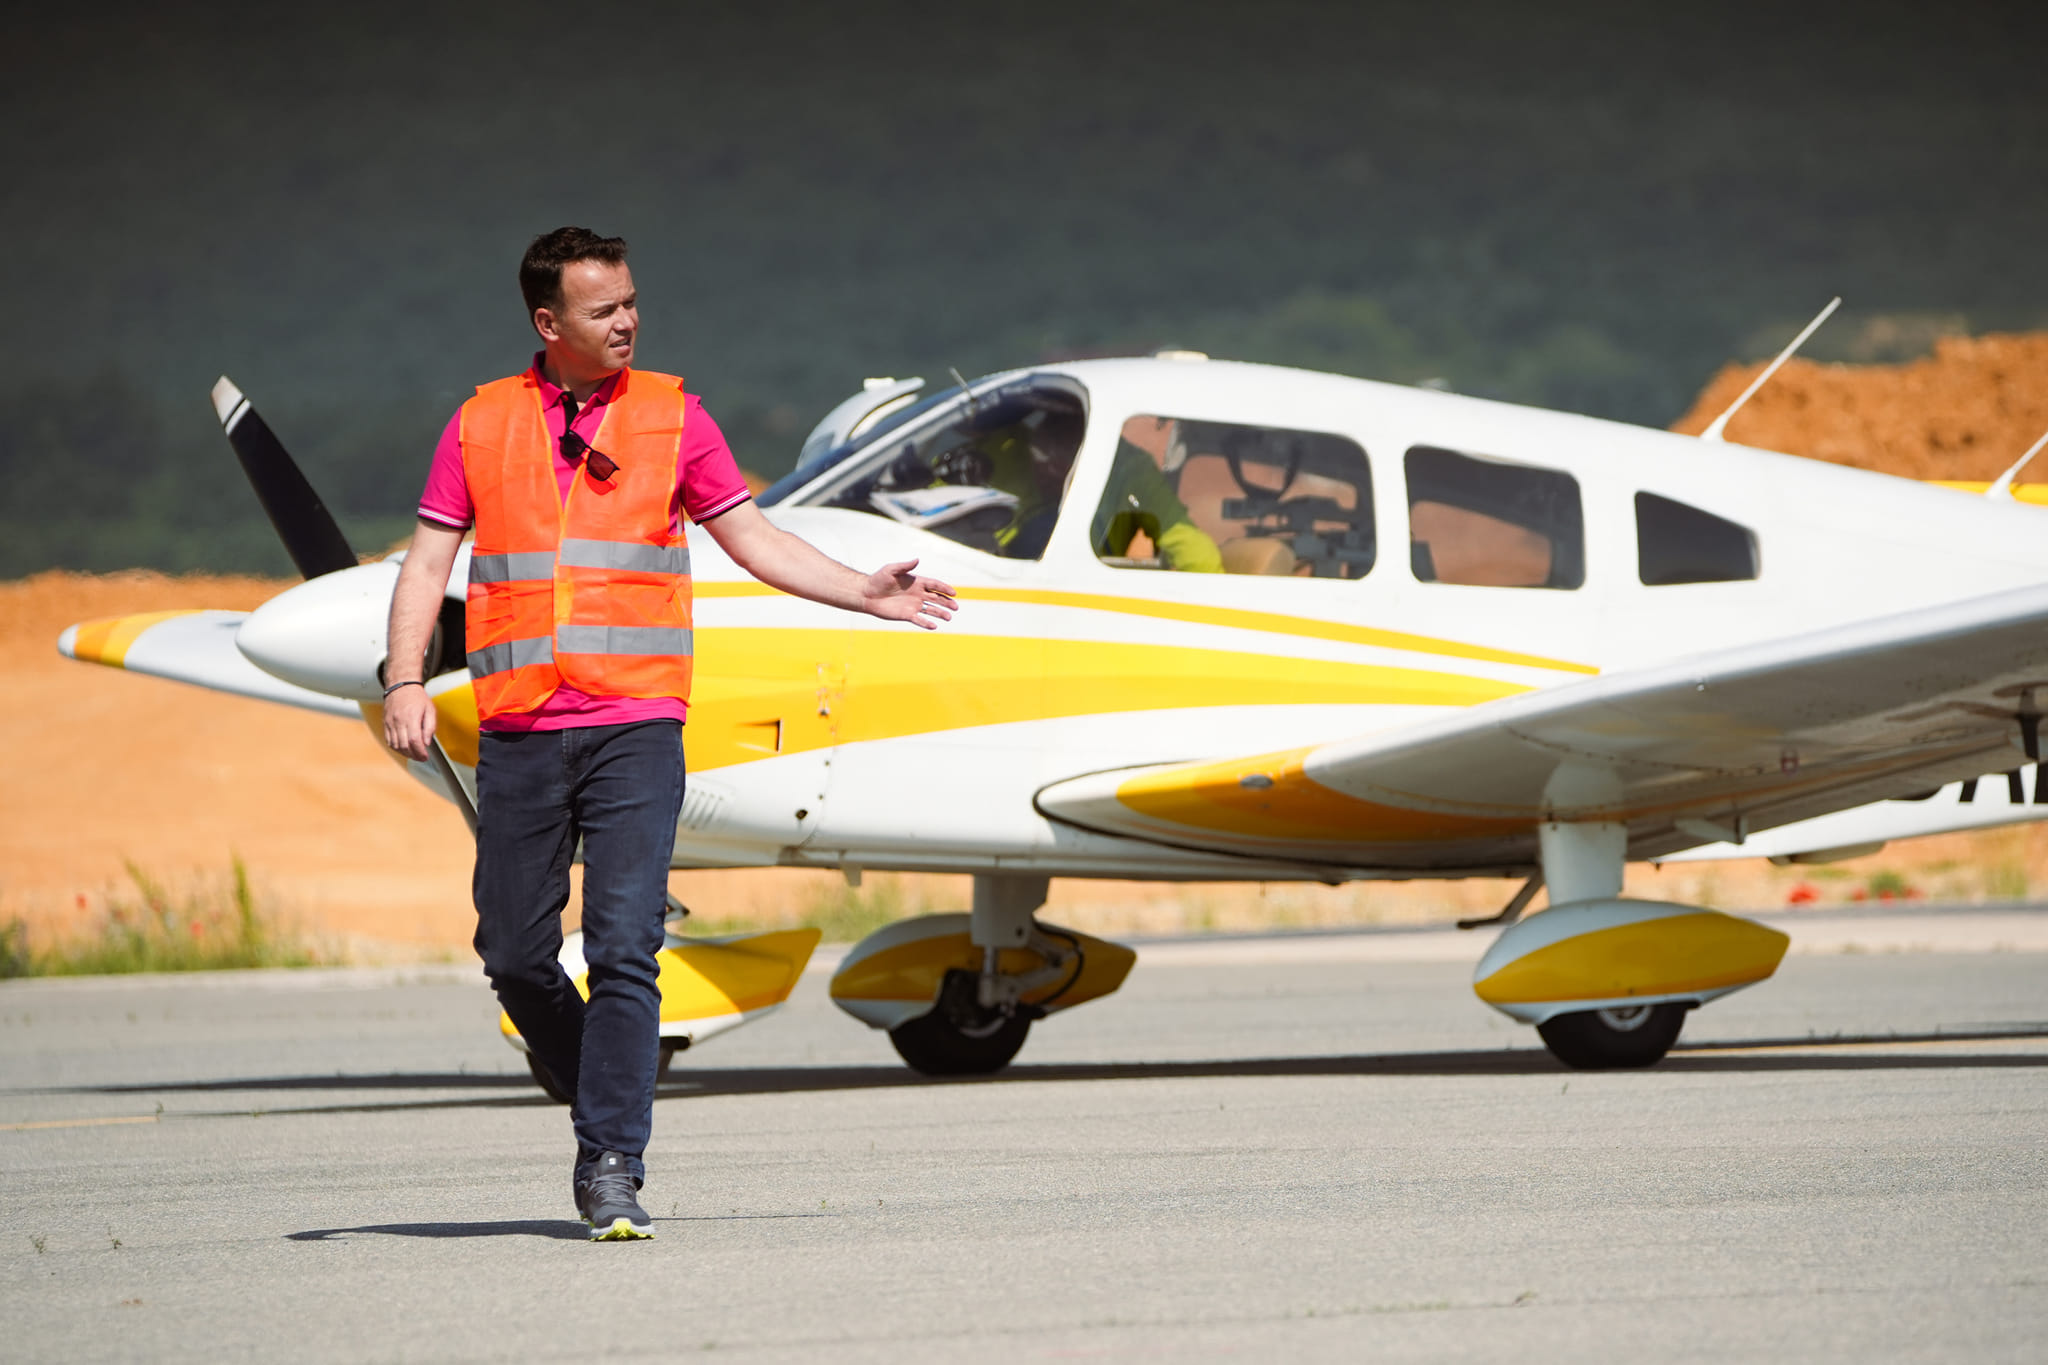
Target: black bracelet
(409, 682)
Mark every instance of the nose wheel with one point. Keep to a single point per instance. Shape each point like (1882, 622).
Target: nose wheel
(1605, 1040)
(961, 1036)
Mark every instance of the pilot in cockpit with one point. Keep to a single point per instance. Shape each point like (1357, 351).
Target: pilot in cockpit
(1139, 500)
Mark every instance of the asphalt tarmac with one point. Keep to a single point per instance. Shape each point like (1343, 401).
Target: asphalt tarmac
(1312, 1147)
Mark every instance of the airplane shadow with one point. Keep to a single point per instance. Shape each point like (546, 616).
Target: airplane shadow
(1876, 1052)
(1759, 1055)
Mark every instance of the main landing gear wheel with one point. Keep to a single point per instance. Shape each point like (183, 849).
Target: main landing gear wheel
(960, 1037)
(1602, 1040)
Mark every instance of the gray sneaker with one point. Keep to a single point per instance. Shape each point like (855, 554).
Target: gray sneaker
(605, 1197)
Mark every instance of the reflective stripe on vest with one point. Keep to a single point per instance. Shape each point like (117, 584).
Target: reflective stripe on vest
(519, 568)
(622, 640)
(632, 555)
(590, 590)
(503, 658)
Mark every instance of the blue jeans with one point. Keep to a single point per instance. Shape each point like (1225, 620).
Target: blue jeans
(619, 789)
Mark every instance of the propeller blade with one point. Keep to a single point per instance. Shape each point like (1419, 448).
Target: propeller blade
(303, 522)
(446, 767)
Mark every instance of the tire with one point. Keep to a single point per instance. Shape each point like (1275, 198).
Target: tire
(959, 1037)
(1606, 1040)
(544, 1080)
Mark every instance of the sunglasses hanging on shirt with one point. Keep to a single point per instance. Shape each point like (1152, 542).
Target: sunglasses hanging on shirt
(574, 447)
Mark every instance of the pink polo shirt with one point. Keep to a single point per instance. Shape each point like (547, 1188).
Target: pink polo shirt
(708, 484)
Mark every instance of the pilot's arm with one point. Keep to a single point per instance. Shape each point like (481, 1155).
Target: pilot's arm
(1138, 498)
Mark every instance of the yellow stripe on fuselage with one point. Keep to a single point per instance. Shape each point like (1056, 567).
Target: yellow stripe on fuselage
(1275, 623)
(846, 686)
(2034, 493)
(762, 690)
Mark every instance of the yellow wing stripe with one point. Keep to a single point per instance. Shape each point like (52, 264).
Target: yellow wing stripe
(1274, 623)
(108, 640)
(1284, 802)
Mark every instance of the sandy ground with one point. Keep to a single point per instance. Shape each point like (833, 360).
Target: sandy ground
(104, 768)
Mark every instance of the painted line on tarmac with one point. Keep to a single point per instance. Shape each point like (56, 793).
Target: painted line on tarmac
(78, 1123)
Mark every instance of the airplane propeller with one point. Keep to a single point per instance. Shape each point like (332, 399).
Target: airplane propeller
(316, 545)
(303, 523)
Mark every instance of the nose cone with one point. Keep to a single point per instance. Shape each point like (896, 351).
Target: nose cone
(327, 633)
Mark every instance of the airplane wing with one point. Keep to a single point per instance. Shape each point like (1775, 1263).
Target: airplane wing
(195, 647)
(1700, 750)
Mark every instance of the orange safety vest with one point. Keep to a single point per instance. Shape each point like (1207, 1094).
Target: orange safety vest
(592, 591)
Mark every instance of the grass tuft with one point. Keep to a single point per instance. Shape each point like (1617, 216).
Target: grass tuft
(148, 929)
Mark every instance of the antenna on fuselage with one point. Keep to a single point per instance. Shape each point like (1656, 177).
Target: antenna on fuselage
(2003, 486)
(973, 408)
(1720, 424)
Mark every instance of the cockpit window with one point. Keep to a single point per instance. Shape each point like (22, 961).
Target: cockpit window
(986, 467)
(1678, 543)
(808, 470)
(1489, 523)
(1218, 497)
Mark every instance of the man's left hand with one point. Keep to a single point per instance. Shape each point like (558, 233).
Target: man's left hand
(894, 593)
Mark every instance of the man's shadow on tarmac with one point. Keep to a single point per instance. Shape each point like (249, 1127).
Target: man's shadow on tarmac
(1809, 1054)
(525, 1227)
(548, 1229)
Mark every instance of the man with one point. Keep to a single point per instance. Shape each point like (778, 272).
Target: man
(578, 475)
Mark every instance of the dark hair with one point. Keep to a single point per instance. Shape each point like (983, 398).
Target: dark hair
(540, 271)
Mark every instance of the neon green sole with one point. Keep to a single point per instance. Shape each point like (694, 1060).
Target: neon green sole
(621, 1230)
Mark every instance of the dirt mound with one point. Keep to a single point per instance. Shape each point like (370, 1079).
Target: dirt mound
(1965, 412)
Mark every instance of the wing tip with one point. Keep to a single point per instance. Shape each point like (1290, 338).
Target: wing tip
(228, 400)
(107, 639)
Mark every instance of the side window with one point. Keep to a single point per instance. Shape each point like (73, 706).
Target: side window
(1489, 523)
(1677, 543)
(989, 470)
(1219, 497)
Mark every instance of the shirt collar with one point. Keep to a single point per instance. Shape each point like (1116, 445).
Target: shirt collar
(551, 395)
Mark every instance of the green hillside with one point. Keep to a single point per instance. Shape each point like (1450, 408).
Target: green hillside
(1587, 206)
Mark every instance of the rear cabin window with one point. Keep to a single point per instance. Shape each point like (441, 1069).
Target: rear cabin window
(1222, 497)
(1677, 543)
(1489, 523)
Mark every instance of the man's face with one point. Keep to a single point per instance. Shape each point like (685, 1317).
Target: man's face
(592, 333)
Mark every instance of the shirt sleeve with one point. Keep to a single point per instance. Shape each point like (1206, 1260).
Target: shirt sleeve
(709, 478)
(446, 499)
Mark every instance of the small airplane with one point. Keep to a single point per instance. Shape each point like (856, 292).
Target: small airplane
(1234, 622)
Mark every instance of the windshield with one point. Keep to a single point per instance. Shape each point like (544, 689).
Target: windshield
(985, 467)
(804, 473)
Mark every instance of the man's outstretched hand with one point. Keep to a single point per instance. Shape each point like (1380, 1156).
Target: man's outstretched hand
(894, 593)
